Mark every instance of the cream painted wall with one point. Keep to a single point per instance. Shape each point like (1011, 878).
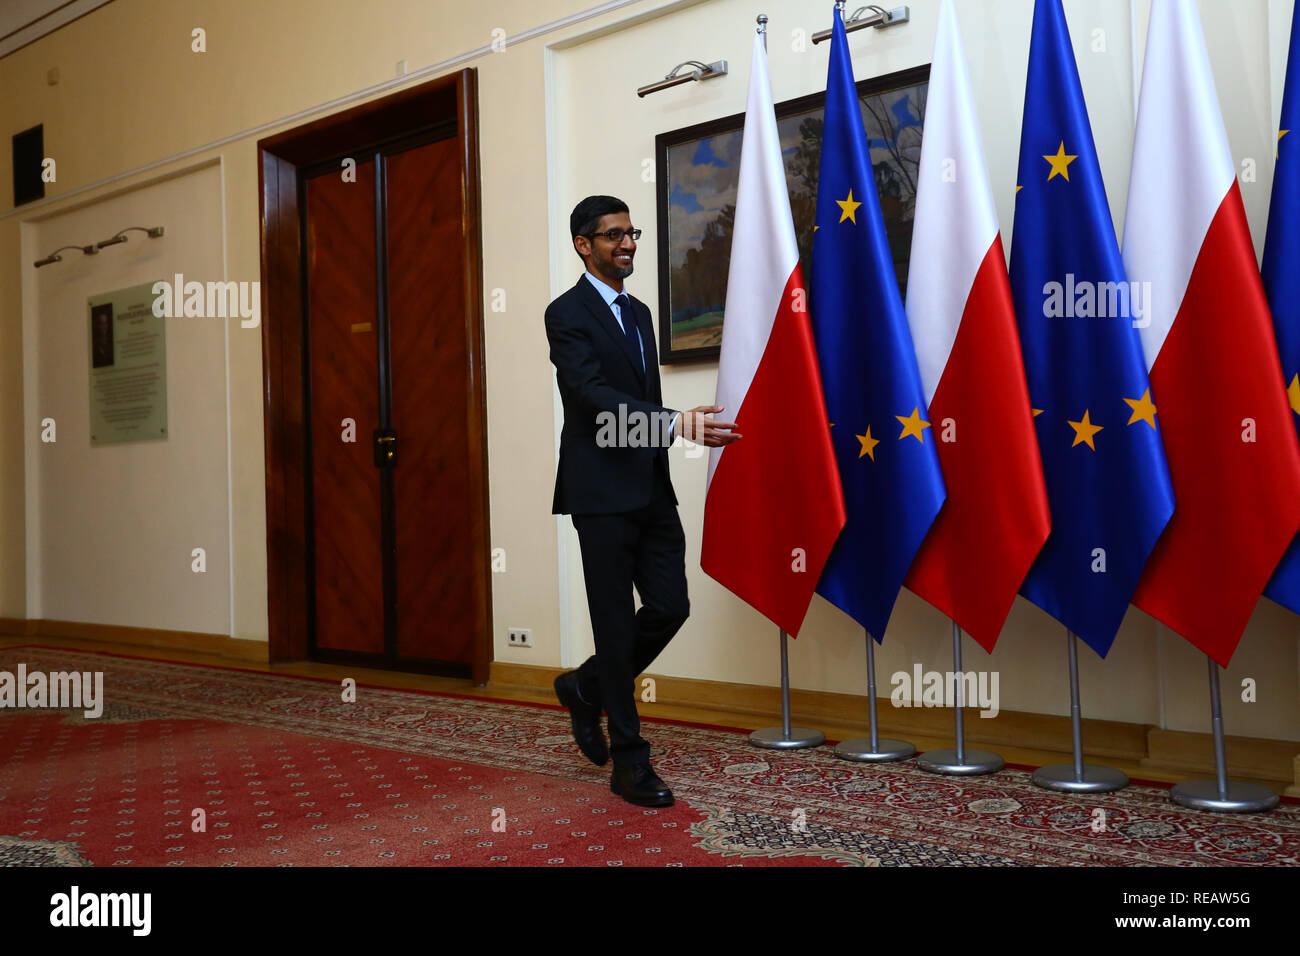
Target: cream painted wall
(559, 119)
(267, 67)
(111, 528)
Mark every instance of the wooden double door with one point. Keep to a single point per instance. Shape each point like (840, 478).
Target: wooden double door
(394, 536)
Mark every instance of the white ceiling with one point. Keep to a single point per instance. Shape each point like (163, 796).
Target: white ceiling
(22, 21)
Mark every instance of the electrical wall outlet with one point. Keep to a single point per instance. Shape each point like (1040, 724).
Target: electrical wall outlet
(521, 637)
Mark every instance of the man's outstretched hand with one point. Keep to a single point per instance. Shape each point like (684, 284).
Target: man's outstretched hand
(698, 427)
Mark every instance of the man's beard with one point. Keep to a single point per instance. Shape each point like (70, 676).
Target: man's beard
(614, 269)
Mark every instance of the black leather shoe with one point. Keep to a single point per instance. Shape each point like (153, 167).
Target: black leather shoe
(638, 784)
(585, 718)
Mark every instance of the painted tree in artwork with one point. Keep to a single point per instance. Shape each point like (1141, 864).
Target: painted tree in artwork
(701, 278)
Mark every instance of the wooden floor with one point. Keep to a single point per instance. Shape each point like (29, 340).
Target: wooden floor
(405, 681)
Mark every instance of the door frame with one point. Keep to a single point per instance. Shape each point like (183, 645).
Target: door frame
(282, 162)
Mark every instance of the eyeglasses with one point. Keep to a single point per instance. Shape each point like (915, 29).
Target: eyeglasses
(616, 235)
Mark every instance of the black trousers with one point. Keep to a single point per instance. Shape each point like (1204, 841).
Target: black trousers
(645, 548)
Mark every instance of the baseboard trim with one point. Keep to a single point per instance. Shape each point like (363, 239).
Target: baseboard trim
(221, 645)
(1142, 744)
(1256, 757)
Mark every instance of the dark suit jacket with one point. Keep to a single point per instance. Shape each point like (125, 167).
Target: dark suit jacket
(595, 371)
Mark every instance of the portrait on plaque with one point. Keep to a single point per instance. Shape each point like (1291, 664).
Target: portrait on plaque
(128, 367)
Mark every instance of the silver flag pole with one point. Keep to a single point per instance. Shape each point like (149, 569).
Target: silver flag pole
(959, 762)
(786, 737)
(873, 749)
(1078, 777)
(1221, 794)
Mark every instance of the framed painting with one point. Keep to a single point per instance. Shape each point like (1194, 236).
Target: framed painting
(697, 172)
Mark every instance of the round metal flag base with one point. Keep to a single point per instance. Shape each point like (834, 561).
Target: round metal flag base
(945, 761)
(774, 738)
(885, 750)
(1060, 776)
(1240, 798)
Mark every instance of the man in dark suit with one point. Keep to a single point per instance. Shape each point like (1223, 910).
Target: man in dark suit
(613, 479)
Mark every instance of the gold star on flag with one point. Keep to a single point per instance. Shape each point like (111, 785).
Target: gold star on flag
(1084, 431)
(848, 207)
(868, 445)
(1144, 410)
(912, 425)
(1293, 391)
(1036, 411)
(1060, 163)
(1280, 134)
(1018, 188)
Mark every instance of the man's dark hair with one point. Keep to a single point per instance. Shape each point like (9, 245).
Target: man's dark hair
(587, 214)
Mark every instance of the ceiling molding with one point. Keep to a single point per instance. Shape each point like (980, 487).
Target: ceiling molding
(23, 22)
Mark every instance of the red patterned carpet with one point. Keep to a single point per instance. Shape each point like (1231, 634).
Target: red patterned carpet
(289, 775)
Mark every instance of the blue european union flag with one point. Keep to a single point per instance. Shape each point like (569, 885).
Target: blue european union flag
(884, 446)
(1104, 462)
(1281, 270)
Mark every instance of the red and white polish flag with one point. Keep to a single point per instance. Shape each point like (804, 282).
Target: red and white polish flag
(963, 324)
(773, 505)
(1210, 349)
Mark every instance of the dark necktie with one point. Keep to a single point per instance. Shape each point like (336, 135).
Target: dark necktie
(629, 328)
